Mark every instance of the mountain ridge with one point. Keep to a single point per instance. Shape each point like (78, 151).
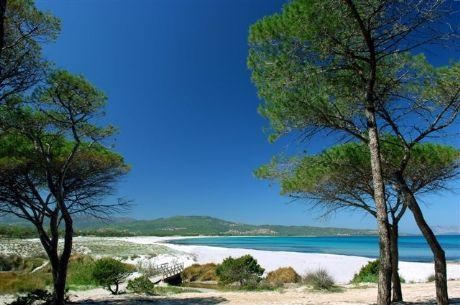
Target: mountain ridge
(195, 226)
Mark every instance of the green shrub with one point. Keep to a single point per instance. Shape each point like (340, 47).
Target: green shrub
(283, 276)
(109, 272)
(319, 280)
(369, 273)
(80, 272)
(141, 285)
(431, 278)
(245, 270)
(200, 273)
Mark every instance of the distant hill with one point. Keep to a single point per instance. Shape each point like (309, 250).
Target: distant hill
(203, 225)
(195, 225)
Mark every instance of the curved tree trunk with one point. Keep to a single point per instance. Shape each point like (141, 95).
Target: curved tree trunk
(397, 292)
(440, 267)
(440, 272)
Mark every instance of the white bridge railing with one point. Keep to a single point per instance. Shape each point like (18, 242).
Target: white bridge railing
(167, 270)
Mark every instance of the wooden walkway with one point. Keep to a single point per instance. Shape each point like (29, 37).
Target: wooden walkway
(166, 271)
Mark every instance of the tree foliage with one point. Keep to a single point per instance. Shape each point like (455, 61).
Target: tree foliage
(245, 270)
(340, 177)
(310, 64)
(25, 29)
(110, 272)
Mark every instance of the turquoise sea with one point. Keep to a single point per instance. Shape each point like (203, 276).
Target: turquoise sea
(411, 248)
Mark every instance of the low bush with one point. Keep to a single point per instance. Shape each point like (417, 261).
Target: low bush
(141, 285)
(283, 276)
(14, 282)
(80, 272)
(369, 273)
(110, 272)
(319, 280)
(431, 278)
(37, 296)
(200, 273)
(243, 270)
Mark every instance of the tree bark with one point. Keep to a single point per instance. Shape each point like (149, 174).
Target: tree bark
(2, 24)
(60, 280)
(384, 285)
(397, 292)
(440, 272)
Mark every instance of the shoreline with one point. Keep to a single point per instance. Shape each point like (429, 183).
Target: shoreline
(341, 267)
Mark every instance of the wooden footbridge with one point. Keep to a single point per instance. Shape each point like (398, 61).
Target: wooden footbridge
(166, 272)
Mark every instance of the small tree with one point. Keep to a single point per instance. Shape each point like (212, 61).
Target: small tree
(109, 272)
(245, 270)
(53, 164)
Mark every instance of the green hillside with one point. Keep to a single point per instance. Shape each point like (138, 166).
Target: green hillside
(202, 225)
(195, 225)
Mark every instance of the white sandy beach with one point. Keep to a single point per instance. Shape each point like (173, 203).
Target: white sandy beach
(341, 267)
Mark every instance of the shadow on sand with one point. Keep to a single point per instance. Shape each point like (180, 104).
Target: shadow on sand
(454, 301)
(156, 301)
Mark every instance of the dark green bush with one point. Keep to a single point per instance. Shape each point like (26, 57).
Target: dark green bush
(369, 273)
(319, 280)
(37, 296)
(109, 272)
(244, 270)
(141, 285)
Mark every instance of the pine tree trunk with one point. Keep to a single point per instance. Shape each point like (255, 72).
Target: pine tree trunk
(61, 278)
(397, 292)
(442, 297)
(440, 268)
(384, 284)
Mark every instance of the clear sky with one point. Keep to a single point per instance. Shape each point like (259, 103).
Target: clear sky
(180, 92)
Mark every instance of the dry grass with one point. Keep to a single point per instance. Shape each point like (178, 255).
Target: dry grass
(18, 263)
(200, 273)
(319, 280)
(283, 276)
(13, 282)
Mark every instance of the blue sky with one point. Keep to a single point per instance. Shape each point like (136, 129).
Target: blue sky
(180, 92)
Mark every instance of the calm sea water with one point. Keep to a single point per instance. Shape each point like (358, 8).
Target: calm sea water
(411, 248)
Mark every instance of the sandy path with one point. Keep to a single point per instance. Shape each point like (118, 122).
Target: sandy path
(420, 293)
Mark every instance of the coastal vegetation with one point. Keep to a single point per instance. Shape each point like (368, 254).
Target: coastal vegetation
(340, 178)
(346, 69)
(284, 275)
(244, 270)
(53, 159)
(110, 273)
(319, 280)
(200, 273)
